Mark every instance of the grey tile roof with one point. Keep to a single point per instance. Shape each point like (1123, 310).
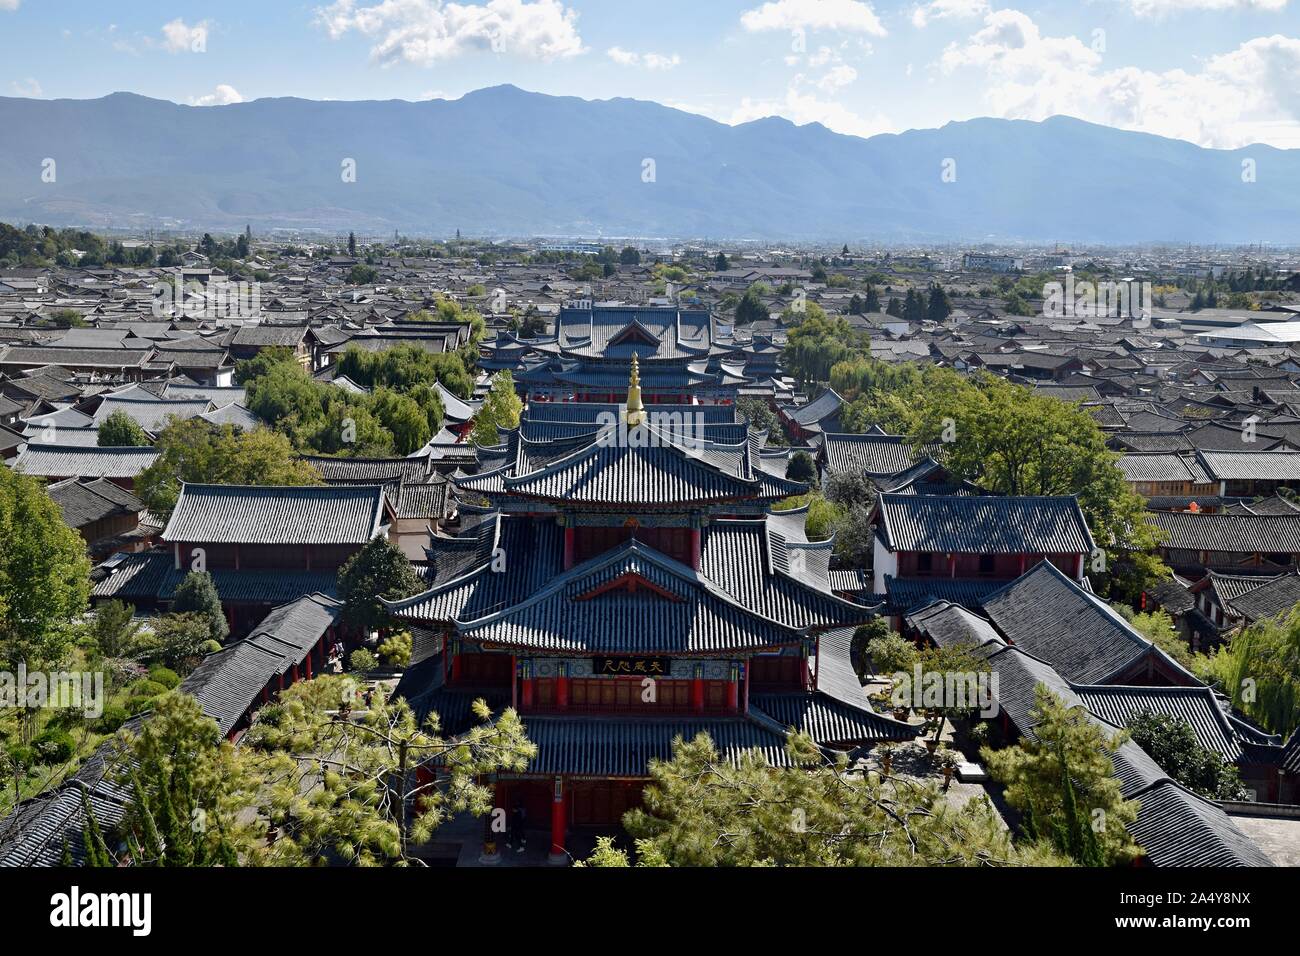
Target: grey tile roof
(910, 594)
(950, 625)
(830, 722)
(1237, 533)
(1174, 827)
(873, 454)
(749, 560)
(224, 514)
(56, 461)
(1077, 633)
(623, 747)
(1196, 706)
(1252, 465)
(631, 600)
(152, 415)
(84, 502)
(1272, 598)
(977, 525)
(228, 683)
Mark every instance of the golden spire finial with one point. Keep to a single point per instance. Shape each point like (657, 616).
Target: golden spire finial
(635, 410)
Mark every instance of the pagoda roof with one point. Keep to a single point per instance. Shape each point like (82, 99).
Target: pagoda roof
(632, 599)
(611, 468)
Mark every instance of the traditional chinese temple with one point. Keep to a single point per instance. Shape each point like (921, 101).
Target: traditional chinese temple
(622, 580)
(589, 358)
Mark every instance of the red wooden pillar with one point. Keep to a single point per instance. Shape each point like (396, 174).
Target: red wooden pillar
(528, 685)
(559, 824)
(733, 689)
(455, 662)
(308, 664)
(280, 678)
(697, 690)
(569, 544)
(561, 686)
(295, 674)
(696, 555)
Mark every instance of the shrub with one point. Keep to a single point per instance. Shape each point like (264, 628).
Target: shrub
(891, 654)
(362, 661)
(113, 717)
(396, 651)
(165, 676)
(53, 746)
(146, 688)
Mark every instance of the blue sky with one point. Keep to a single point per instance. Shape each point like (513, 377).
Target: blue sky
(1220, 73)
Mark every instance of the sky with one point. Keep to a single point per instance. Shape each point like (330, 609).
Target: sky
(1219, 73)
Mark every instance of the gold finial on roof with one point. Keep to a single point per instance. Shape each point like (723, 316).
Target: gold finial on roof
(635, 410)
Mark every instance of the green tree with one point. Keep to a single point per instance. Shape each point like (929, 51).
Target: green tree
(1171, 742)
(379, 570)
(366, 804)
(197, 452)
(1260, 671)
(197, 594)
(193, 793)
(1158, 627)
(362, 275)
(263, 362)
(630, 256)
(44, 579)
(501, 410)
(750, 308)
(761, 418)
(702, 810)
(1063, 782)
(120, 430)
(720, 264)
(114, 630)
(939, 308)
(802, 468)
(178, 641)
(68, 319)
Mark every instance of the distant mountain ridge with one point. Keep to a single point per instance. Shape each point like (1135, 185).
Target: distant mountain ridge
(505, 162)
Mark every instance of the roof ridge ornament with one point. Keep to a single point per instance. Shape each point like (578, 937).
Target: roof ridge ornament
(635, 408)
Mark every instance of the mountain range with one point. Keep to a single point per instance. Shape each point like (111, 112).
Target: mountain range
(506, 162)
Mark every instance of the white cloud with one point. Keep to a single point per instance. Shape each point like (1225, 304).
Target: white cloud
(9, 4)
(180, 37)
(1162, 8)
(223, 95)
(426, 31)
(837, 78)
(650, 61)
(924, 14)
(855, 16)
(1250, 94)
(29, 88)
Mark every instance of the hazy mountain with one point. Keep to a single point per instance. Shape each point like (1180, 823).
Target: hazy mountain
(502, 161)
